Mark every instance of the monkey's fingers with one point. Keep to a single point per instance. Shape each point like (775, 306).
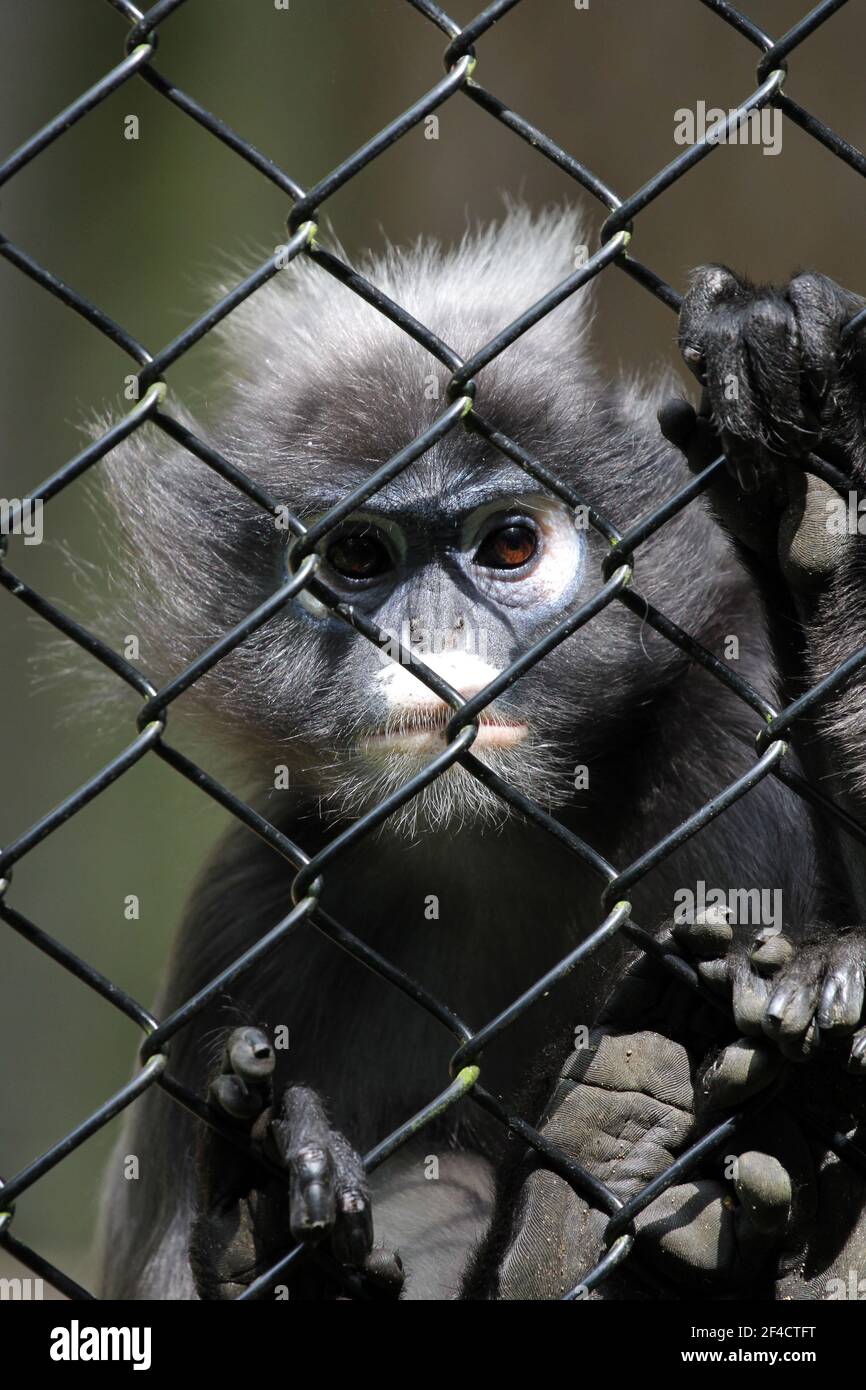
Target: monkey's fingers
(746, 346)
(779, 385)
(819, 993)
(803, 994)
(301, 1135)
(328, 1190)
(243, 1087)
(353, 1231)
(752, 975)
(238, 1094)
(224, 1243)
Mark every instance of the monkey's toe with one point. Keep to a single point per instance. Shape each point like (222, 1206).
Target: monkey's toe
(707, 938)
(250, 1054)
(384, 1273)
(737, 1073)
(764, 1190)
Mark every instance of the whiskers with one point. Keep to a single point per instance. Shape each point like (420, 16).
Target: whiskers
(373, 769)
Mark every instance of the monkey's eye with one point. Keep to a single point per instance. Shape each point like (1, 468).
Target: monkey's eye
(359, 555)
(508, 547)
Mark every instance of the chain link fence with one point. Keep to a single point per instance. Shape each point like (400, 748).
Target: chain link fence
(618, 238)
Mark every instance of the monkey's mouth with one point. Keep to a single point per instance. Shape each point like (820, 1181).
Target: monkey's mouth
(422, 729)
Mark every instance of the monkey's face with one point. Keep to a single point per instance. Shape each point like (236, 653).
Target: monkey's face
(465, 583)
(462, 559)
(466, 564)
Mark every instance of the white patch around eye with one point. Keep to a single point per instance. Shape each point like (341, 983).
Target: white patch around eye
(562, 563)
(463, 670)
(560, 567)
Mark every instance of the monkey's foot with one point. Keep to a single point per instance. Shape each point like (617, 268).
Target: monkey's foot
(804, 995)
(291, 1178)
(624, 1108)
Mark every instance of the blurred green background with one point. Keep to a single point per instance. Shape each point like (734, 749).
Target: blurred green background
(145, 227)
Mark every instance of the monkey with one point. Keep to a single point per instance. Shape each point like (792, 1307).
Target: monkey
(782, 373)
(468, 560)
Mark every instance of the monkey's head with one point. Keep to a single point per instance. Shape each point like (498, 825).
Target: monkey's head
(463, 557)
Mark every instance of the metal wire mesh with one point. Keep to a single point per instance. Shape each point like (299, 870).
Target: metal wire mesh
(616, 586)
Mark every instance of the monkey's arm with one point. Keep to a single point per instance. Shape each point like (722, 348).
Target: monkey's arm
(784, 396)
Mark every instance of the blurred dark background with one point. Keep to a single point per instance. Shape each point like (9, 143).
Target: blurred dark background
(144, 228)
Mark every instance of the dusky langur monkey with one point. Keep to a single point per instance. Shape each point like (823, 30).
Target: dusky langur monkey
(783, 379)
(469, 560)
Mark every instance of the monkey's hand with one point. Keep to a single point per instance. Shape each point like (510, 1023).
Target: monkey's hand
(292, 1178)
(805, 995)
(624, 1107)
(780, 383)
